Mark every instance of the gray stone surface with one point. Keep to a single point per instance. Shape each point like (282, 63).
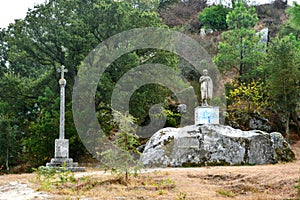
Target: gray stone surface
(61, 148)
(214, 145)
(65, 163)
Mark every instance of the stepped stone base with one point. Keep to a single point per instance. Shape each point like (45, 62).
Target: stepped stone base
(65, 163)
(62, 160)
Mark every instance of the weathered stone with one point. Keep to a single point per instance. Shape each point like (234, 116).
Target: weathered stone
(65, 163)
(61, 159)
(259, 124)
(61, 148)
(214, 145)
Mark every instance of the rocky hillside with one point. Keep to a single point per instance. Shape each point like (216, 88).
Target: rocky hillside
(184, 17)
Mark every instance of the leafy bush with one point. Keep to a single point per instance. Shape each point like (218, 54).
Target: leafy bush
(214, 17)
(246, 102)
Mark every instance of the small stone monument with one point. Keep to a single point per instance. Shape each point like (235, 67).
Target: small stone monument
(206, 114)
(61, 155)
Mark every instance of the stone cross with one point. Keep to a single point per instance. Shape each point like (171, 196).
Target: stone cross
(61, 157)
(62, 70)
(62, 82)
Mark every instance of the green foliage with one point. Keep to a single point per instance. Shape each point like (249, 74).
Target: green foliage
(8, 141)
(49, 177)
(241, 17)
(121, 161)
(32, 49)
(127, 140)
(283, 68)
(173, 118)
(214, 17)
(294, 15)
(14, 104)
(145, 5)
(245, 102)
(64, 32)
(240, 48)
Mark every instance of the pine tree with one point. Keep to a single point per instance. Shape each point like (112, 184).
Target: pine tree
(283, 66)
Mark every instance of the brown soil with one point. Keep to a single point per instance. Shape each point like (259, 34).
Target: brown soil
(222, 182)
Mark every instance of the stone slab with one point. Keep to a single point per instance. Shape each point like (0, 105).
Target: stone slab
(61, 148)
(65, 163)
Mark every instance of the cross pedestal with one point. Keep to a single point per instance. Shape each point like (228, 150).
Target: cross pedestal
(61, 156)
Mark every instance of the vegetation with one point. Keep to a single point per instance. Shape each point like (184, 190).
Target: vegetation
(214, 17)
(239, 48)
(261, 79)
(246, 102)
(121, 161)
(283, 67)
(294, 19)
(49, 178)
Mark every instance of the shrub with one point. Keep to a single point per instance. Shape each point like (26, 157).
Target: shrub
(214, 17)
(246, 102)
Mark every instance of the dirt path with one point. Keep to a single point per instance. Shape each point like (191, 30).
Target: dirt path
(19, 187)
(224, 182)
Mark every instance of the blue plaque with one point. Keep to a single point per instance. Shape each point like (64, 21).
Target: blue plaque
(206, 115)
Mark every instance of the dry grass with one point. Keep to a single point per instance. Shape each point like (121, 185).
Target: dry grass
(223, 182)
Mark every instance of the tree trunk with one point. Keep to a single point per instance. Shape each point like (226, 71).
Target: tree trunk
(287, 127)
(7, 157)
(295, 119)
(241, 57)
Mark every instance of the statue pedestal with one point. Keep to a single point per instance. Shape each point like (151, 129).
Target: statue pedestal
(61, 159)
(207, 115)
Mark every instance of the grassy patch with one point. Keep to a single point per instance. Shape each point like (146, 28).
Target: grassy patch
(226, 193)
(87, 186)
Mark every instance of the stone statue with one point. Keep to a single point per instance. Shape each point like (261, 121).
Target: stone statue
(206, 88)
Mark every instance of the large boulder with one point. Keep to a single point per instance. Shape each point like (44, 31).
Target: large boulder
(214, 145)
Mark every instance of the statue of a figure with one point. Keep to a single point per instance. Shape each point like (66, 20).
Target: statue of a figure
(206, 88)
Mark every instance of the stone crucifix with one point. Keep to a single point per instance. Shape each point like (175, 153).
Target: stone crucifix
(61, 154)
(62, 83)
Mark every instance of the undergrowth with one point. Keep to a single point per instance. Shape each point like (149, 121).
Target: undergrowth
(49, 177)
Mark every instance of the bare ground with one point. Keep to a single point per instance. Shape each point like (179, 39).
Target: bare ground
(223, 182)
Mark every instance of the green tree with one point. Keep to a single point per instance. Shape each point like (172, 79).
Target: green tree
(8, 139)
(293, 23)
(240, 48)
(214, 17)
(122, 161)
(15, 106)
(145, 5)
(294, 15)
(3, 53)
(63, 33)
(283, 68)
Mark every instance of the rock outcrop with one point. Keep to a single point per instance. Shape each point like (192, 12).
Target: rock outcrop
(214, 145)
